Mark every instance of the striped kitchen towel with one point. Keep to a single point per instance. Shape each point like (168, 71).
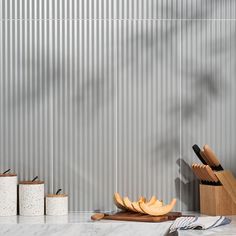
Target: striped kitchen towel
(184, 223)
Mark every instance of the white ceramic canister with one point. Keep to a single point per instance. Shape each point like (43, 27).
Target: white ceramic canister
(8, 194)
(57, 204)
(31, 198)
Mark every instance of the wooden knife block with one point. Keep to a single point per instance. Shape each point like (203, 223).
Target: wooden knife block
(214, 200)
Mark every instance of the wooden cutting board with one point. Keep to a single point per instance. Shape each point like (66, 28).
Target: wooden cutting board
(130, 216)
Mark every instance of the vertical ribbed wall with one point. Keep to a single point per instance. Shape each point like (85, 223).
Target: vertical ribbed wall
(104, 96)
(208, 95)
(148, 108)
(58, 88)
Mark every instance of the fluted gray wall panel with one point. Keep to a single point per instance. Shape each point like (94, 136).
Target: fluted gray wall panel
(104, 96)
(26, 118)
(208, 9)
(90, 9)
(208, 96)
(148, 109)
(84, 113)
(58, 107)
(117, 9)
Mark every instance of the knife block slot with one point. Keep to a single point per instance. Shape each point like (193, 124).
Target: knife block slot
(215, 200)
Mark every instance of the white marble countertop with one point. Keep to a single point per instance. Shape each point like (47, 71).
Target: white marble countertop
(81, 224)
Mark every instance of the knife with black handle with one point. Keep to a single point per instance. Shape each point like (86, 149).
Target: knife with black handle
(197, 151)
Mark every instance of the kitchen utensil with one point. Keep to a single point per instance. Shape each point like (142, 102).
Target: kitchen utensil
(219, 200)
(211, 174)
(209, 162)
(215, 200)
(229, 182)
(205, 174)
(212, 158)
(197, 151)
(196, 171)
(131, 216)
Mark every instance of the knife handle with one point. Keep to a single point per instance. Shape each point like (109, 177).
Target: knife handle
(209, 162)
(197, 151)
(98, 216)
(211, 156)
(212, 174)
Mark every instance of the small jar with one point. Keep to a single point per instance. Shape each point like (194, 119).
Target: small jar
(57, 204)
(8, 194)
(31, 198)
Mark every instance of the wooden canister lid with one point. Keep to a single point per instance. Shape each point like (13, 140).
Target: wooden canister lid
(57, 195)
(8, 175)
(31, 182)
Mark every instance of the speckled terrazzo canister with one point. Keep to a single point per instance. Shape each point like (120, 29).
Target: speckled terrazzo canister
(8, 194)
(56, 204)
(31, 198)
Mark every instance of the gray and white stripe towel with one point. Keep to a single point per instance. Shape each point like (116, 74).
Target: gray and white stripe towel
(184, 223)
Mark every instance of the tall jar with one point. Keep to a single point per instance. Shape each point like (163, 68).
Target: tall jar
(31, 198)
(8, 194)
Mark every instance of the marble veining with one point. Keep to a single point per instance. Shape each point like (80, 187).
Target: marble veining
(81, 224)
